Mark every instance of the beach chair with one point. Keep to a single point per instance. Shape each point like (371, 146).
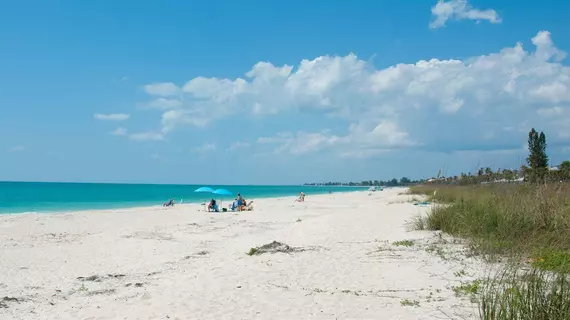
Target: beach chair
(249, 206)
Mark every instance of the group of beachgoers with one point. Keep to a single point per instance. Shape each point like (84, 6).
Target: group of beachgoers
(239, 204)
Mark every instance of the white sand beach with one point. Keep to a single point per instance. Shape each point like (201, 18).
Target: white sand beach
(183, 263)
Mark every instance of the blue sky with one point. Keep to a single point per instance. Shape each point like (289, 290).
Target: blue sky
(277, 92)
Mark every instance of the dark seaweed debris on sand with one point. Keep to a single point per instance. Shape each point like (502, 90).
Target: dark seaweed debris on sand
(4, 304)
(98, 278)
(274, 247)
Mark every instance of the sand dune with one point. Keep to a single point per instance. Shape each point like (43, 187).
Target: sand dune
(183, 263)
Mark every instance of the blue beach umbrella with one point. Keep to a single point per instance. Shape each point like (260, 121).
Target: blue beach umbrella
(204, 189)
(222, 192)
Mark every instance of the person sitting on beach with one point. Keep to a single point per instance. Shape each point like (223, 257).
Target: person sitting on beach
(170, 203)
(242, 205)
(212, 206)
(301, 197)
(234, 205)
(240, 202)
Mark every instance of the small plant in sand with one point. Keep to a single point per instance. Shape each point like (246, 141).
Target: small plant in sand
(470, 289)
(403, 243)
(356, 293)
(419, 223)
(437, 250)
(551, 260)
(299, 220)
(431, 297)
(410, 303)
(382, 249)
(460, 273)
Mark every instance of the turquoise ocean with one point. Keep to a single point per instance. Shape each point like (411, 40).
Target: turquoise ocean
(19, 197)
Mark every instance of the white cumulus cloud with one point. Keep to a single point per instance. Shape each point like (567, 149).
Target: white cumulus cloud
(207, 147)
(362, 138)
(147, 136)
(164, 89)
(444, 11)
(112, 116)
(433, 104)
(163, 103)
(238, 145)
(551, 112)
(120, 131)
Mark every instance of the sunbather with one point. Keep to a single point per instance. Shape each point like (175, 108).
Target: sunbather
(213, 206)
(234, 205)
(301, 197)
(170, 203)
(246, 206)
(242, 204)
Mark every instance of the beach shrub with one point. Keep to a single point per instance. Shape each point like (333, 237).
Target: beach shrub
(503, 218)
(526, 223)
(551, 260)
(403, 243)
(536, 294)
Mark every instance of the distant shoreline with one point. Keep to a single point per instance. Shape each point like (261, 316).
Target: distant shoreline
(85, 197)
